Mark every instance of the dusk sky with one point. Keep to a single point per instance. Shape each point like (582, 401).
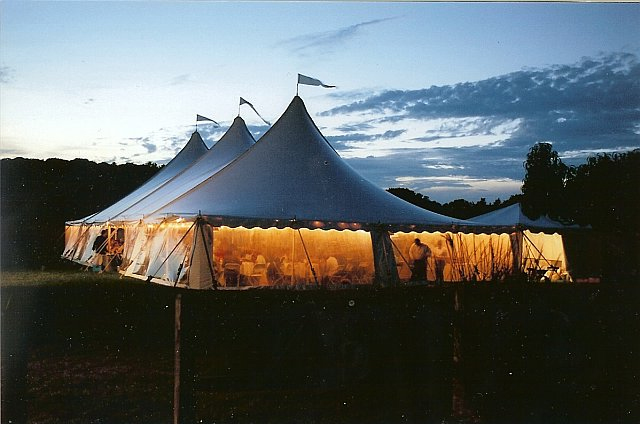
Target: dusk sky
(442, 98)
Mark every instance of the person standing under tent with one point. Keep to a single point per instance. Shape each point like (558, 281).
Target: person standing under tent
(100, 249)
(440, 259)
(419, 252)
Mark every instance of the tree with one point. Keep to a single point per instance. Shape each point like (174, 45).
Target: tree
(544, 182)
(604, 193)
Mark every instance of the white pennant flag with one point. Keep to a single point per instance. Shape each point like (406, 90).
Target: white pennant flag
(303, 79)
(244, 102)
(200, 118)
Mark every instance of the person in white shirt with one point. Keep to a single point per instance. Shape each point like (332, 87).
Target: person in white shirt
(419, 252)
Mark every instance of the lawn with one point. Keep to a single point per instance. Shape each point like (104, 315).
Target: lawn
(80, 347)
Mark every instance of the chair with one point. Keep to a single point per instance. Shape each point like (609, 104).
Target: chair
(231, 274)
(258, 274)
(340, 277)
(275, 275)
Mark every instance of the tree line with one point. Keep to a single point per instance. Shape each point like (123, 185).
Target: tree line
(38, 196)
(603, 193)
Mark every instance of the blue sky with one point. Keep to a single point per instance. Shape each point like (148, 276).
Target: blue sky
(442, 98)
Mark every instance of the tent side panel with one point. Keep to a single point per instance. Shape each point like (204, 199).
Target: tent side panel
(201, 269)
(386, 271)
(545, 252)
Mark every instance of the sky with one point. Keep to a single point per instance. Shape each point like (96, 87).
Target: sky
(445, 99)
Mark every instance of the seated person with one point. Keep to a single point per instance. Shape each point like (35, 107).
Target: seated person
(331, 266)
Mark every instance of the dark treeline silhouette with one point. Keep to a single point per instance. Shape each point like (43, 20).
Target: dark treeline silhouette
(38, 196)
(459, 208)
(604, 193)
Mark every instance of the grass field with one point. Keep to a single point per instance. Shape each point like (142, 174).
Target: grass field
(79, 347)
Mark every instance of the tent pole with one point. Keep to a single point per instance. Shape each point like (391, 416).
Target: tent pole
(293, 257)
(399, 252)
(304, 246)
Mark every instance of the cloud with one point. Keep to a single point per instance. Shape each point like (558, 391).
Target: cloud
(7, 74)
(150, 147)
(327, 40)
(180, 79)
(595, 100)
(13, 152)
(145, 142)
(487, 127)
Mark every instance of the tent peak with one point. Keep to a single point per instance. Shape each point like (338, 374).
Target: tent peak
(238, 119)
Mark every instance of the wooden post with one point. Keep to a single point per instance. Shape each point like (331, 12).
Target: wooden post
(183, 370)
(176, 359)
(458, 404)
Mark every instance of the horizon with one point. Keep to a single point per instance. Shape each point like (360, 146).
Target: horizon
(123, 82)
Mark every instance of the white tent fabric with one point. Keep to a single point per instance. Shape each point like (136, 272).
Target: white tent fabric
(193, 150)
(536, 251)
(293, 174)
(512, 216)
(236, 140)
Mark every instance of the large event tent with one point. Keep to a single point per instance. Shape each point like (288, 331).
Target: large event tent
(293, 209)
(293, 174)
(288, 211)
(190, 166)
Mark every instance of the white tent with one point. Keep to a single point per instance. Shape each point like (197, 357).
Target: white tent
(288, 211)
(190, 166)
(293, 174)
(512, 216)
(191, 152)
(236, 140)
(275, 215)
(537, 244)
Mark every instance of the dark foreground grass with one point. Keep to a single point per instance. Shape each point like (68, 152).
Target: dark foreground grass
(58, 278)
(84, 348)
